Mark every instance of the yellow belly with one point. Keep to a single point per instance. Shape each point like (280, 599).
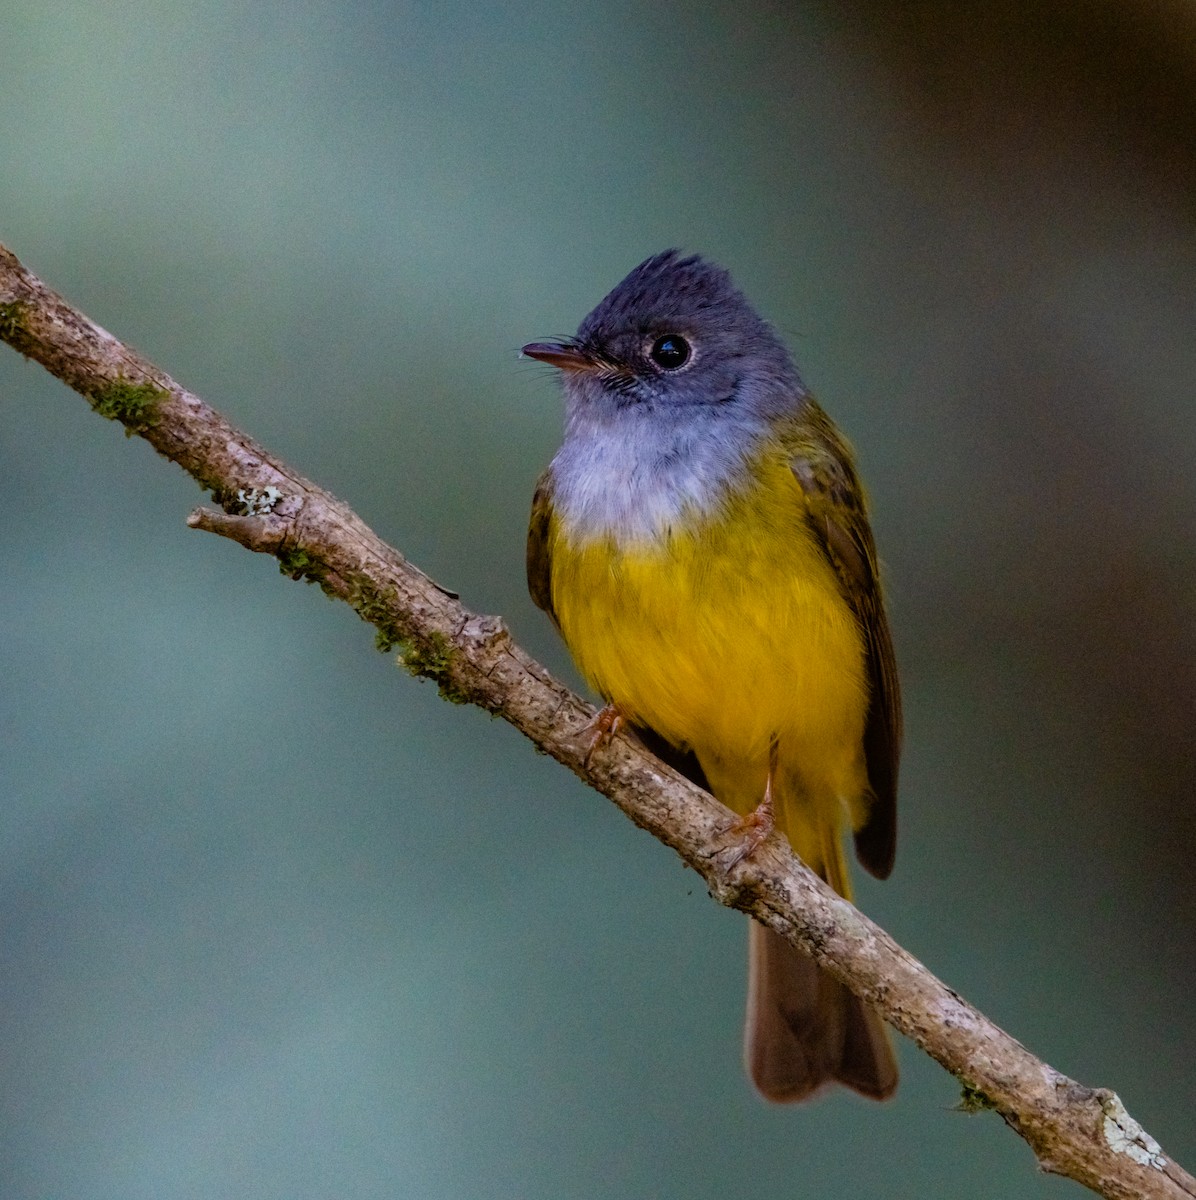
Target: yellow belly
(724, 636)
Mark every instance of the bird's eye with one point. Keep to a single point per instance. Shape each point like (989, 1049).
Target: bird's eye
(670, 352)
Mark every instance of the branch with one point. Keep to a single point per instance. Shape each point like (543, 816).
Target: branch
(1081, 1132)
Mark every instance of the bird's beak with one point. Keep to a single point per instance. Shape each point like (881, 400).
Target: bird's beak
(556, 354)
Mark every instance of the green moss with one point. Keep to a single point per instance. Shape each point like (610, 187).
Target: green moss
(12, 321)
(134, 405)
(432, 657)
(385, 641)
(973, 1100)
(298, 564)
(378, 609)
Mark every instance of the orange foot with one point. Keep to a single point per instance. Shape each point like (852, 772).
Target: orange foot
(597, 733)
(753, 831)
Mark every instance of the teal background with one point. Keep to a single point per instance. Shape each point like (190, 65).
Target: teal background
(275, 921)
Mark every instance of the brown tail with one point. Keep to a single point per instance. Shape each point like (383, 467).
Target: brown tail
(805, 1029)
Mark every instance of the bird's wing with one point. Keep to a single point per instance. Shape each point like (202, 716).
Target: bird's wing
(539, 551)
(822, 464)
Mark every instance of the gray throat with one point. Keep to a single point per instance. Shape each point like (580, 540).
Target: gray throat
(634, 475)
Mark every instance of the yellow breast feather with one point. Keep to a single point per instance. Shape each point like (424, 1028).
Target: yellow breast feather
(723, 634)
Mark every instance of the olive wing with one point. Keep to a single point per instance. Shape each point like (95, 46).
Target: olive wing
(822, 465)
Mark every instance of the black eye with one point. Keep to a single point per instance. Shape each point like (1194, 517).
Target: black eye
(669, 352)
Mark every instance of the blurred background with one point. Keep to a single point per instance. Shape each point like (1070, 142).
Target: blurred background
(275, 921)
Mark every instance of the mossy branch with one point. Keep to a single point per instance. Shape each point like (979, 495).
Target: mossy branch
(1080, 1132)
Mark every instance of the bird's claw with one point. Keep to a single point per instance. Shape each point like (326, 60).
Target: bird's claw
(597, 733)
(749, 833)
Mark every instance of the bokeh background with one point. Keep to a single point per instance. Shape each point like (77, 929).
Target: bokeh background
(275, 921)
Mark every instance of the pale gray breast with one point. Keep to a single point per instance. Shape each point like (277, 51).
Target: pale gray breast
(636, 477)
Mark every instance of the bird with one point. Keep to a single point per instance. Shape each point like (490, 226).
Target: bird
(701, 542)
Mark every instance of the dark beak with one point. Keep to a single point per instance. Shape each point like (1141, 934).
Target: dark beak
(556, 354)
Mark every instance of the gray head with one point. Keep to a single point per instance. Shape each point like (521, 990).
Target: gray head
(675, 338)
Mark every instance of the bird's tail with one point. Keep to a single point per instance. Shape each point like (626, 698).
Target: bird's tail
(805, 1029)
